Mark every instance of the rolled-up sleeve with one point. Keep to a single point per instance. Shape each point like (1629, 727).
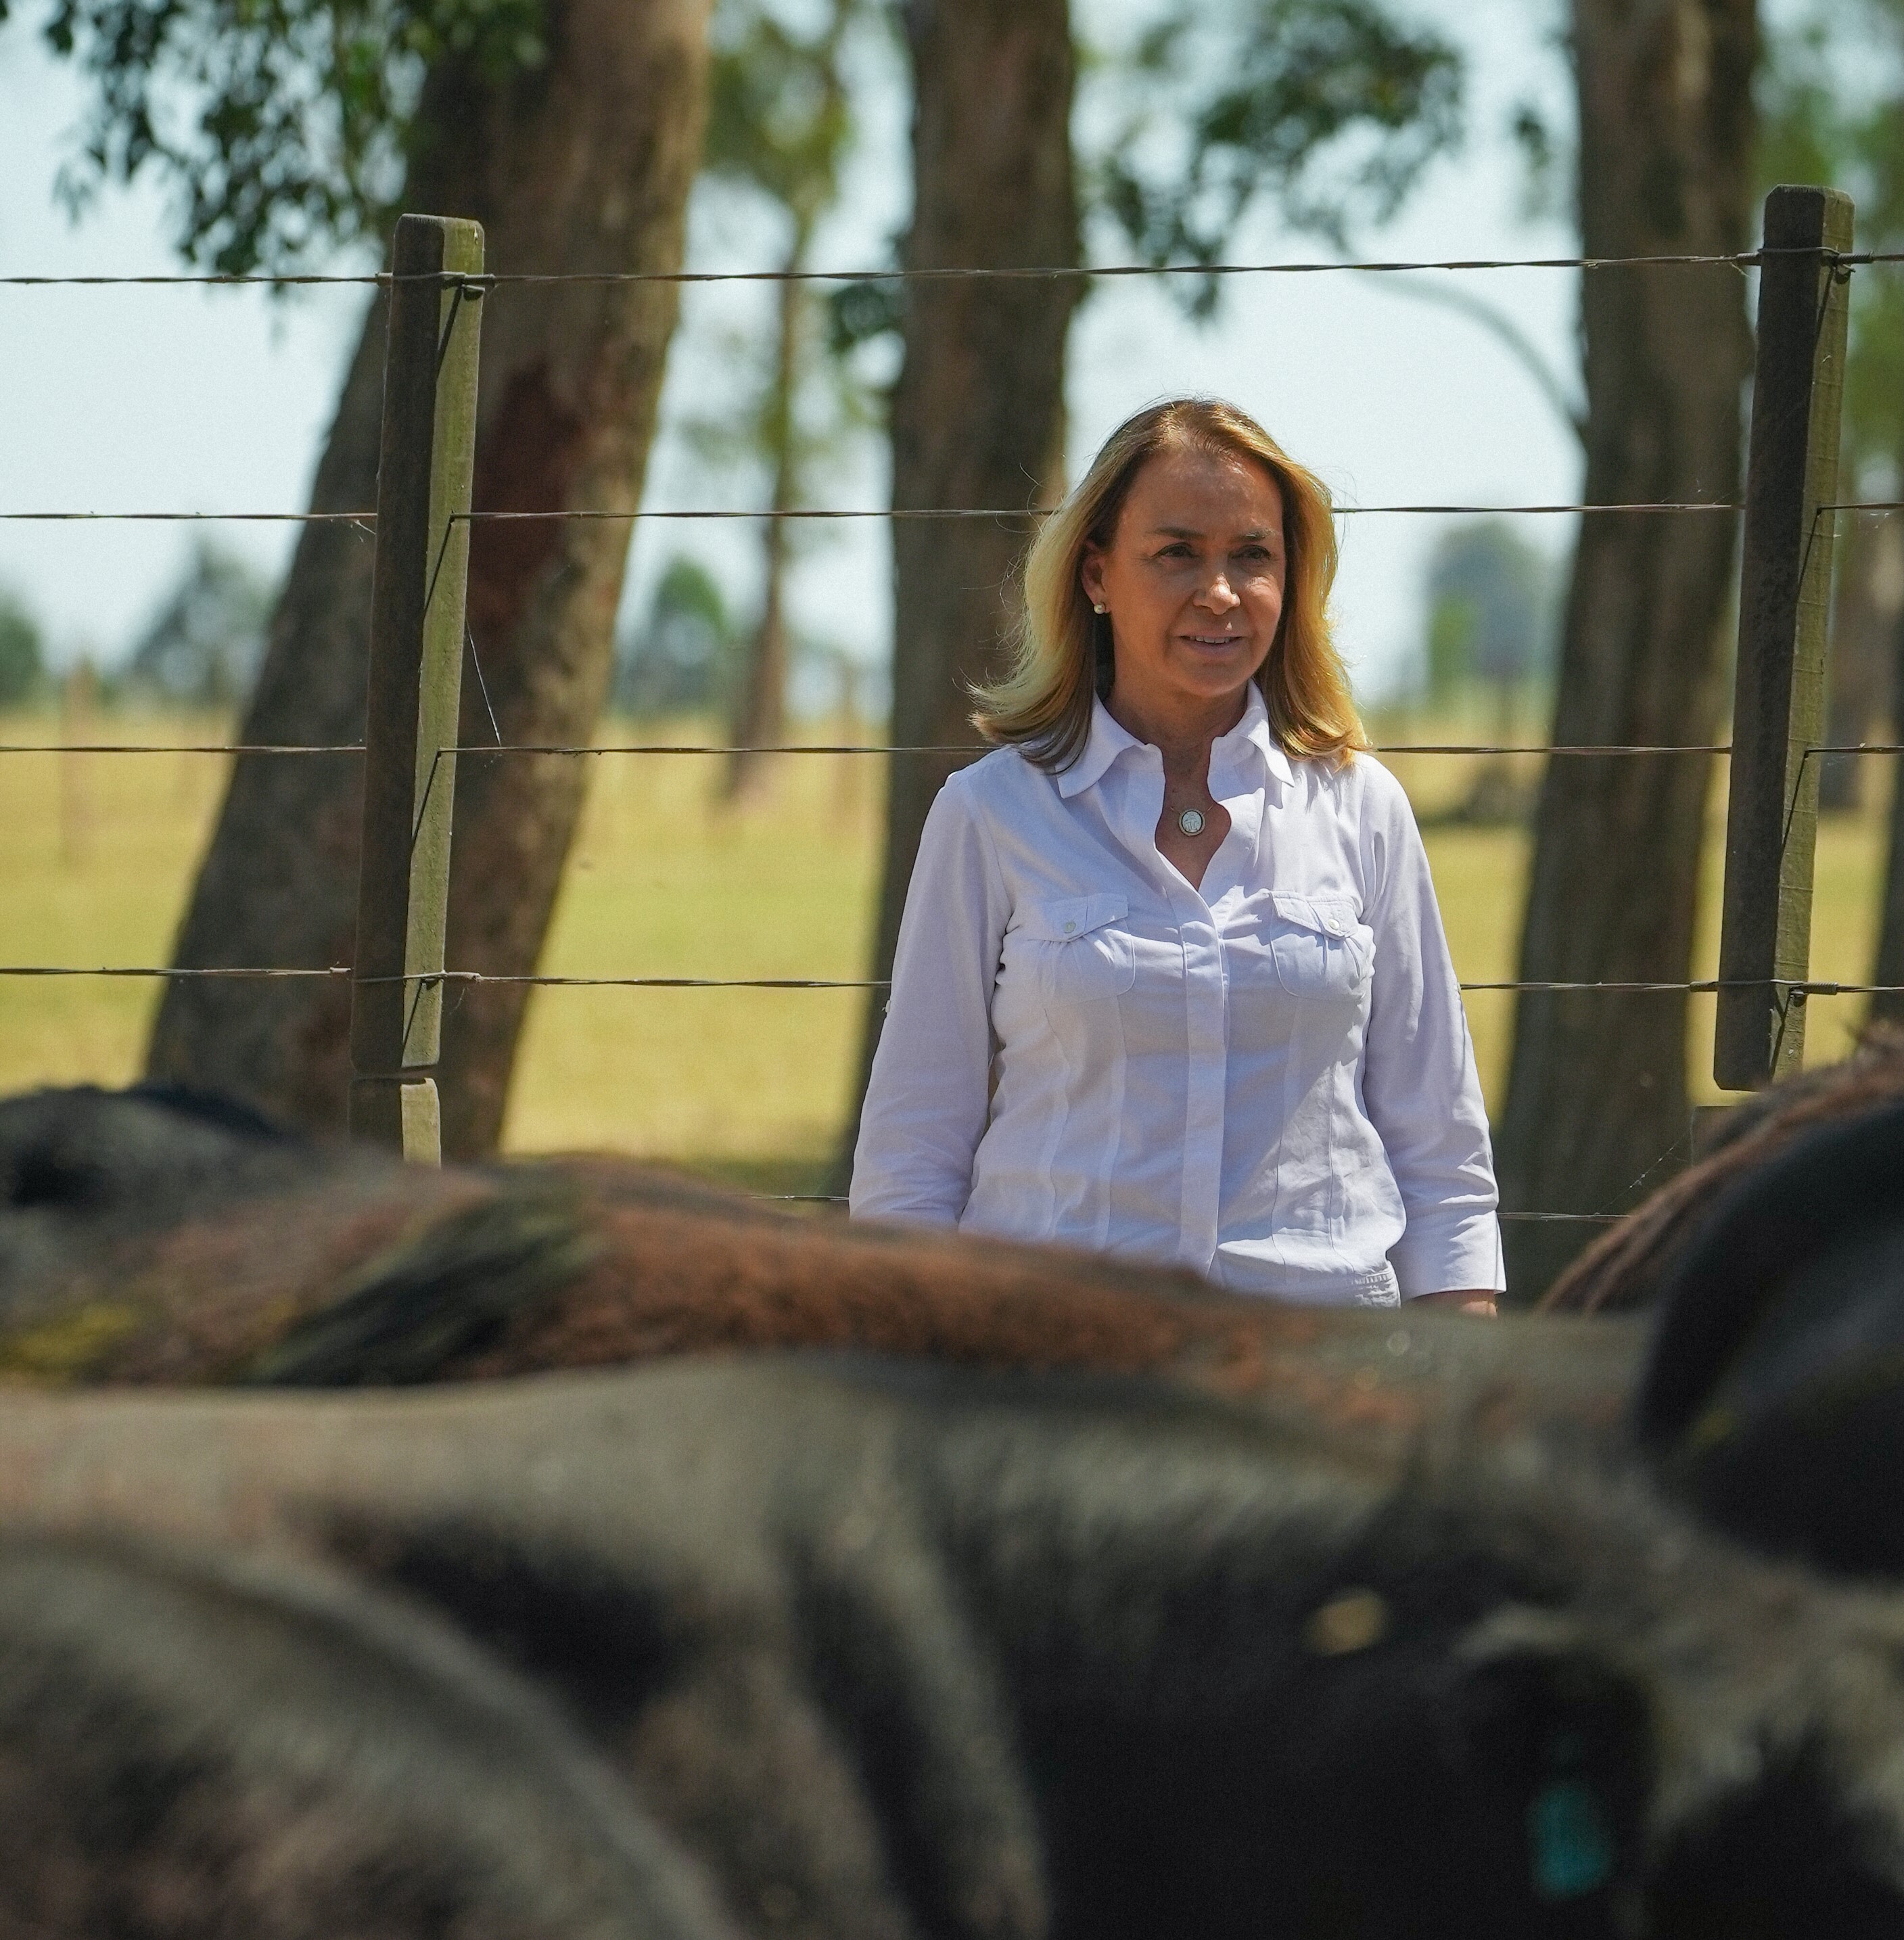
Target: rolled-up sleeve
(929, 1095)
(1420, 1084)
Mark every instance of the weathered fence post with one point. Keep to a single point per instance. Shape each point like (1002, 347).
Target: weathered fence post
(424, 471)
(1784, 599)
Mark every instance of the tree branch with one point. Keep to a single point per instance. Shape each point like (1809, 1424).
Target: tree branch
(1477, 310)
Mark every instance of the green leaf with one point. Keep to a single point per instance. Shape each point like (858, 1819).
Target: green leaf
(1329, 108)
(282, 127)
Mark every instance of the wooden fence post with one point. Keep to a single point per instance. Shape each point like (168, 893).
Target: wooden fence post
(424, 471)
(1771, 820)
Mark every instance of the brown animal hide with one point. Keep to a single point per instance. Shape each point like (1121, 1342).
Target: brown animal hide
(148, 1246)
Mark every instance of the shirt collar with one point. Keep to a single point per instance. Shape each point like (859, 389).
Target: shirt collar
(1108, 740)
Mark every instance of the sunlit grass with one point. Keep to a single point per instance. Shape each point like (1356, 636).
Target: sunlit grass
(99, 852)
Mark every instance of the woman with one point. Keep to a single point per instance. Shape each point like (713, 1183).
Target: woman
(1171, 980)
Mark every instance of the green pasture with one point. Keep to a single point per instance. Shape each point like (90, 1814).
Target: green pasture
(750, 1085)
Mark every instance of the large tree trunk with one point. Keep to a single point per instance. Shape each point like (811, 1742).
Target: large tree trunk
(1597, 1100)
(583, 164)
(978, 411)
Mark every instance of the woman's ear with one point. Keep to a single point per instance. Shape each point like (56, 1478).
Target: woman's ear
(1091, 575)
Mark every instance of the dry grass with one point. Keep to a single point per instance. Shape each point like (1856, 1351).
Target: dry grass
(750, 1084)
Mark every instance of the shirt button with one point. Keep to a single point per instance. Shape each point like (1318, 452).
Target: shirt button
(1070, 928)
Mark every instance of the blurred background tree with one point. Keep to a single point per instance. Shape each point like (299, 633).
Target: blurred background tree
(780, 124)
(1490, 619)
(681, 658)
(23, 653)
(203, 646)
(1487, 648)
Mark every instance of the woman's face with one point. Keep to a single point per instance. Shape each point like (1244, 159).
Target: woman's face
(1193, 579)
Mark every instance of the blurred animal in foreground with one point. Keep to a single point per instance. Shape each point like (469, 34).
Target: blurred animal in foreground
(1627, 1266)
(1038, 1597)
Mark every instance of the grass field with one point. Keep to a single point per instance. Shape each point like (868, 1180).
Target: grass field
(748, 1084)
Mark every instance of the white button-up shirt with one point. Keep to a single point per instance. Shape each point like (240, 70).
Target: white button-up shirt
(1268, 1078)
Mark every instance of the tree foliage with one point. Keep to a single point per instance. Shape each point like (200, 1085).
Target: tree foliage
(282, 127)
(23, 658)
(781, 123)
(1329, 108)
(680, 657)
(1332, 107)
(1490, 609)
(1832, 111)
(780, 117)
(203, 645)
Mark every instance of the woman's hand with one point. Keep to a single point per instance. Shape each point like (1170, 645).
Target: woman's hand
(1475, 1300)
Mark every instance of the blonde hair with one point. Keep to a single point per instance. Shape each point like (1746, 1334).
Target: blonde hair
(1063, 656)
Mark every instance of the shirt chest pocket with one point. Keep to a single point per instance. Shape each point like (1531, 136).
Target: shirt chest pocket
(1319, 947)
(1080, 949)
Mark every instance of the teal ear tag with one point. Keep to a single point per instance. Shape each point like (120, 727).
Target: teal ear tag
(1570, 1846)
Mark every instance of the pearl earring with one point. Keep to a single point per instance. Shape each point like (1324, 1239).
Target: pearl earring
(1097, 608)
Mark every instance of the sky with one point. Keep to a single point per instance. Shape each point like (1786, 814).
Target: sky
(183, 399)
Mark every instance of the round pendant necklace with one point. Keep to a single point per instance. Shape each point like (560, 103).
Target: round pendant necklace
(1191, 821)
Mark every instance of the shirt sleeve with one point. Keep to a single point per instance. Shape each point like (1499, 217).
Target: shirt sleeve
(929, 1096)
(1420, 1085)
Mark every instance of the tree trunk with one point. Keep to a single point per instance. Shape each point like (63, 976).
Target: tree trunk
(1597, 1102)
(583, 164)
(759, 718)
(978, 410)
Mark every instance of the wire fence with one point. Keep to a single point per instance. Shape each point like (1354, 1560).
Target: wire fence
(364, 522)
(1842, 259)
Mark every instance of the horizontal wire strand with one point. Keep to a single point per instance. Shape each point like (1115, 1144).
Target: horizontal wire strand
(700, 748)
(587, 515)
(1523, 1218)
(1549, 1218)
(1045, 511)
(339, 970)
(584, 514)
(364, 519)
(179, 748)
(1791, 987)
(1747, 259)
(1546, 1219)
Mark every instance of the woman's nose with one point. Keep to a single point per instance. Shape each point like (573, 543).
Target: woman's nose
(1218, 595)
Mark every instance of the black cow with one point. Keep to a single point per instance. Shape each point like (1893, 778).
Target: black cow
(1333, 1624)
(210, 1744)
